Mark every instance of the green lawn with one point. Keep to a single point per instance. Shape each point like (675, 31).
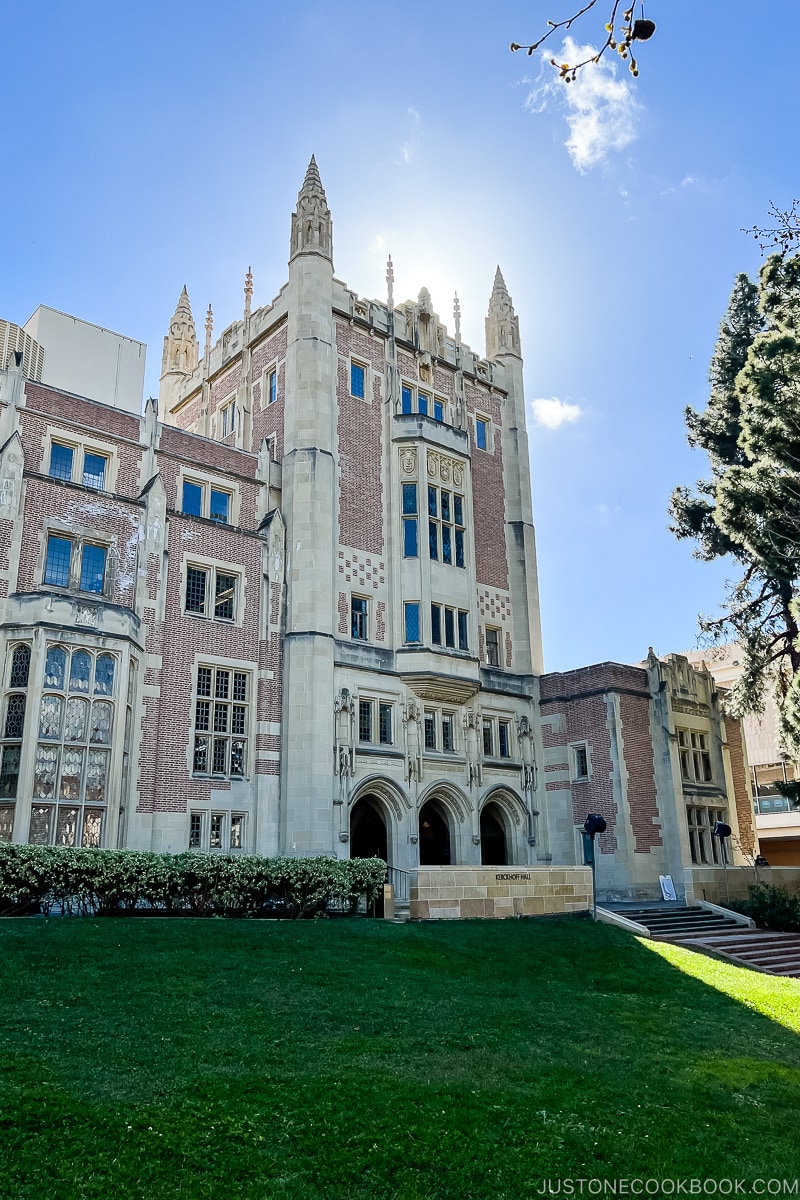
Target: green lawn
(357, 1060)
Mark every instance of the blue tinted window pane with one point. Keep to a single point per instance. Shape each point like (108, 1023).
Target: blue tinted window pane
(445, 506)
(406, 397)
(459, 547)
(273, 387)
(410, 537)
(93, 568)
(412, 622)
(438, 410)
(436, 625)
(449, 629)
(480, 434)
(357, 381)
(61, 461)
(422, 402)
(462, 631)
(219, 506)
(192, 499)
(56, 571)
(432, 503)
(433, 539)
(458, 510)
(409, 497)
(94, 471)
(447, 549)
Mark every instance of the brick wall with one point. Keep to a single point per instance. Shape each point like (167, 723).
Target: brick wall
(110, 421)
(488, 494)
(360, 445)
(640, 766)
(741, 784)
(268, 419)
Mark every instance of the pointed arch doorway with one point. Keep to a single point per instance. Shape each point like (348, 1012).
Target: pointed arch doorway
(434, 836)
(494, 844)
(369, 836)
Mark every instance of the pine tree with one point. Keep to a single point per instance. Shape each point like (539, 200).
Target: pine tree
(749, 509)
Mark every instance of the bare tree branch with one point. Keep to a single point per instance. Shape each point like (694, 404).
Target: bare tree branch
(620, 36)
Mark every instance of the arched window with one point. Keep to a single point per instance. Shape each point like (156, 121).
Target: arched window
(13, 707)
(73, 753)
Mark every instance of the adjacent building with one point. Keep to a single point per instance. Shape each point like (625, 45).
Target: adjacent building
(292, 607)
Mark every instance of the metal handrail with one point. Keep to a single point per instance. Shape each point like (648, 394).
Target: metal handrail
(399, 880)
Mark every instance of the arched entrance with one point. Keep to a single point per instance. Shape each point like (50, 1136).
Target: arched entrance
(434, 836)
(368, 834)
(494, 848)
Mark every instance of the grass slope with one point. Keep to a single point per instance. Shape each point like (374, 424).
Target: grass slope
(353, 1059)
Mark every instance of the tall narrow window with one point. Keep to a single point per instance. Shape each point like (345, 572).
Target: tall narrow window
(93, 569)
(438, 410)
(411, 620)
(492, 646)
(430, 730)
(219, 506)
(272, 387)
(488, 739)
(357, 376)
(192, 499)
(365, 720)
(481, 433)
(359, 618)
(446, 526)
(406, 400)
(94, 470)
(59, 554)
(504, 739)
(422, 402)
(410, 540)
(436, 624)
(61, 462)
(449, 628)
(448, 743)
(385, 724)
(463, 640)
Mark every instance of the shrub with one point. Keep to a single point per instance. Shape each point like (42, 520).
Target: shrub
(771, 907)
(103, 882)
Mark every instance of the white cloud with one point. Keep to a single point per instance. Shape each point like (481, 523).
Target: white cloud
(407, 149)
(601, 110)
(552, 412)
(377, 244)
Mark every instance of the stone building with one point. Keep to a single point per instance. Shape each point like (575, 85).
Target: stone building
(293, 607)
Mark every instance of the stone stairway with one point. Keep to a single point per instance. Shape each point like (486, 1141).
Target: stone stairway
(701, 929)
(774, 953)
(672, 922)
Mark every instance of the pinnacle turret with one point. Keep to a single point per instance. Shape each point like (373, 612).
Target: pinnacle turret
(180, 354)
(502, 325)
(312, 228)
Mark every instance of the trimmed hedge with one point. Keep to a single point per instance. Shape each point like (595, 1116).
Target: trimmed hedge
(105, 882)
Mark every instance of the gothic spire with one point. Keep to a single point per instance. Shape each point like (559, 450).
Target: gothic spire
(312, 228)
(180, 354)
(502, 325)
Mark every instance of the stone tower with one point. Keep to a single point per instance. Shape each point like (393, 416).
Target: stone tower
(309, 483)
(180, 355)
(503, 345)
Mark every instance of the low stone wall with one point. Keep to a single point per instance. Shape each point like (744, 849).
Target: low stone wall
(458, 893)
(708, 883)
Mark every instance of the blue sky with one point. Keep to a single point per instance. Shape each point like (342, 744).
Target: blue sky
(155, 145)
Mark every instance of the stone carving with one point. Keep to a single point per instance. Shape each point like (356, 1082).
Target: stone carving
(86, 616)
(408, 461)
(442, 467)
(525, 739)
(344, 765)
(472, 720)
(411, 720)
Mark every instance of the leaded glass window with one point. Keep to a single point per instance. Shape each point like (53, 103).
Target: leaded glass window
(72, 759)
(20, 666)
(220, 722)
(15, 716)
(6, 821)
